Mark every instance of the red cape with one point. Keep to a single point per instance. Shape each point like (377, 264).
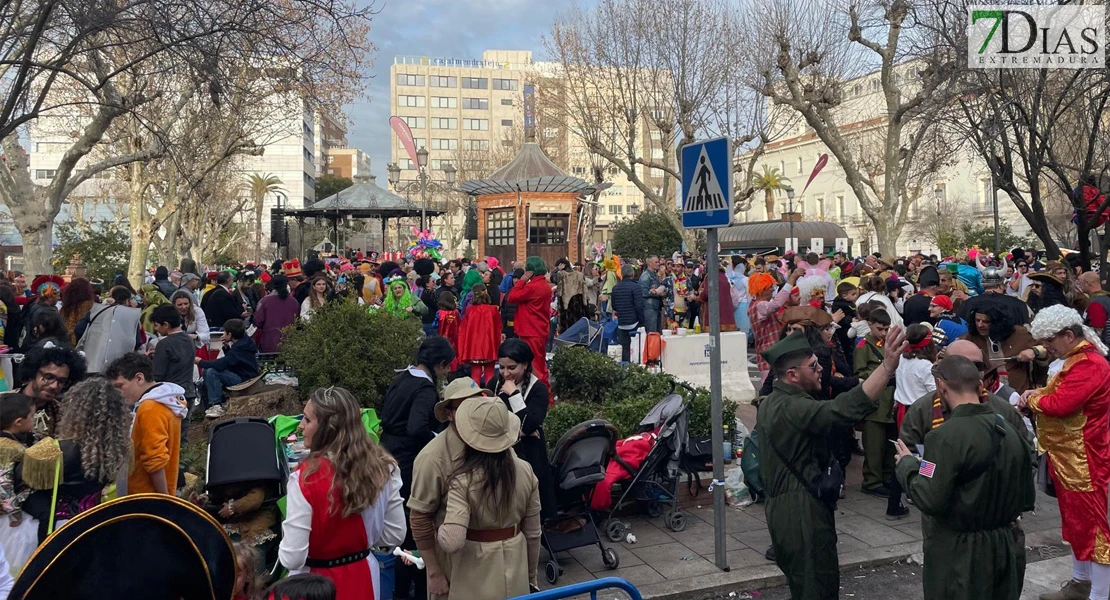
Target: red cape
(480, 334)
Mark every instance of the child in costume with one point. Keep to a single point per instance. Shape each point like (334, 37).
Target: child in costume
(18, 533)
(447, 320)
(480, 336)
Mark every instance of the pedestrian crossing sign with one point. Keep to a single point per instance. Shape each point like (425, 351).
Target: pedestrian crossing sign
(707, 184)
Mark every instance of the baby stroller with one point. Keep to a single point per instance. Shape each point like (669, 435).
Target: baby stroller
(246, 463)
(655, 483)
(578, 463)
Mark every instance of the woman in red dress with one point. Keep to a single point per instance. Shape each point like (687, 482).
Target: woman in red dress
(480, 336)
(343, 500)
(448, 320)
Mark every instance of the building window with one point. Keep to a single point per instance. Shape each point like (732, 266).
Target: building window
(411, 101)
(616, 209)
(782, 167)
(504, 84)
(406, 163)
(418, 142)
(506, 102)
(821, 207)
(476, 103)
(331, 159)
(307, 154)
(440, 163)
(405, 79)
(876, 84)
(985, 189)
(445, 144)
(416, 122)
(475, 83)
(550, 132)
(840, 208)
(476, 124)
(309, 181)
(441, 81)
(45, 173)
(506, 143)
(501, 228)
(579, 170)
(547, 229)
(445, 102)
(657, 173)
(476, 145)
(656, 135)
(506, 122)
(633, 209)
(657, 153)
(444, 123)
(800, 165)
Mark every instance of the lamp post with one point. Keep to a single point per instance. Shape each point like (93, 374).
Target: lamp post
(790, 210)
(423, 181)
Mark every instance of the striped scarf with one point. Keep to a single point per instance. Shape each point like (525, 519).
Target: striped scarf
(938, 408)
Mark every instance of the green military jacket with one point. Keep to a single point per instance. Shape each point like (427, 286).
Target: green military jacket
(919, 419)
(868, 357)
(971, 550)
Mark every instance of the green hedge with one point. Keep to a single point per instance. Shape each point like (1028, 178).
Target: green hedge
(589, 385)
(346, 346)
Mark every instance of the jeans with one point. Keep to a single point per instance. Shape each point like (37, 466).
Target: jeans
(652, 317)
(624, 338)
(214, 383)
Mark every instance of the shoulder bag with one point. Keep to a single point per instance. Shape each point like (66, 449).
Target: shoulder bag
(825, 486)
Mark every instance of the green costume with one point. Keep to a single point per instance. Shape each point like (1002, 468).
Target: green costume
(878, 427)
(971, 549)
(919, 419)
(803, 529)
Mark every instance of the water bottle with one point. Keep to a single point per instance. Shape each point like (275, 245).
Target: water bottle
(728, 445)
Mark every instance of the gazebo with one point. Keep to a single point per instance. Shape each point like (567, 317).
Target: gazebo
(363, 200)
(529, 207)
(766, 236)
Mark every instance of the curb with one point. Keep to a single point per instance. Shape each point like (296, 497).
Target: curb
(764, 576)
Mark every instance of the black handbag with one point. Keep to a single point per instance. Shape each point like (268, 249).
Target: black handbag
(826, 486)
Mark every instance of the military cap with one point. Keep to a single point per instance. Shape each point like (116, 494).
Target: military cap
(788, 344)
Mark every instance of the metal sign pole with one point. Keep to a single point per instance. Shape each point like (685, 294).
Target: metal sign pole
(712, 260)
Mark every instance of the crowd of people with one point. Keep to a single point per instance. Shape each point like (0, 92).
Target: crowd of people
(962, 375)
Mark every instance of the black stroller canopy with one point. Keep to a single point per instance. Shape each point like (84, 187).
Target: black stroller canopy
(243, 450)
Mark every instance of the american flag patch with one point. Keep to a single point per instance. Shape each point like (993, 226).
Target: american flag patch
(927, 469)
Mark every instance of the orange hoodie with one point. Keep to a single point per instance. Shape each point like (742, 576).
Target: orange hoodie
(156, 438)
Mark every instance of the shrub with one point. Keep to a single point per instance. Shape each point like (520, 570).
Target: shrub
(626, 415)
(700, 416)
(563, 416)
(634, 381)
(346, 346)
(579, 375)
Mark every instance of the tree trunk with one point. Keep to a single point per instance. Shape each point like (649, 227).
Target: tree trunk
(886, 233)
(140, 227)
(37, 245)
(769, 202)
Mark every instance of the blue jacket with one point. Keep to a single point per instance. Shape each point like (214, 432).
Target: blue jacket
(240, 358)
(627, 300)
(953, 327)
(506, 283)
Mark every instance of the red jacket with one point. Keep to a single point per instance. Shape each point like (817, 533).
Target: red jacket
(533, 307)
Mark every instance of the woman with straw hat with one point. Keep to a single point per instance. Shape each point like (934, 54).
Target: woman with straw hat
(492, 520)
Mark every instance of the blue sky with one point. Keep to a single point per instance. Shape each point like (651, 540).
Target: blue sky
(447, 28)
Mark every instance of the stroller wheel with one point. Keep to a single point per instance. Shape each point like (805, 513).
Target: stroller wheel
(551, 571)
(654, 509)
(614, 530)
(610, 558)
(676, 521)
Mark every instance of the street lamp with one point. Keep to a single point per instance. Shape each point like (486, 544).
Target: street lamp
(422, 180)
(790, 199)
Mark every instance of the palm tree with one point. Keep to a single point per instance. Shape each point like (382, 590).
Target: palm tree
(261, 186)
(770, 181)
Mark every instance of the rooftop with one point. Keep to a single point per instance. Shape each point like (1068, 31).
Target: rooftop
(530, 171)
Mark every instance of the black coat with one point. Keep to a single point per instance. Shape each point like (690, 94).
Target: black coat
(532, 447)
(627, 300)
(220, 306)
(408, 417)
(916, 309)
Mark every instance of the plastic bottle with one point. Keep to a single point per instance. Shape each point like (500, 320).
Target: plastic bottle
(728, 445)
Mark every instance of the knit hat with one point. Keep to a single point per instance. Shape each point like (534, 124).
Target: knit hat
(942, 301)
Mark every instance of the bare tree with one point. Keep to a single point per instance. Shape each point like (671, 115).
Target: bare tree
(886, 143)
(94, 61)
(636, 86)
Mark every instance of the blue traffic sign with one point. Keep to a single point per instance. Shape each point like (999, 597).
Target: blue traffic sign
(707, 184)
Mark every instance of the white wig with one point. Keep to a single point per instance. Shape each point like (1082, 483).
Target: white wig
(1056, 318)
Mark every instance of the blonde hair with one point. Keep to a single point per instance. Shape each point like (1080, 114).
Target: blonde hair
(254, 583)
(362, 467)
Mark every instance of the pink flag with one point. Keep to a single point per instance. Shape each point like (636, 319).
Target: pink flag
(401, 128)
(821, 162)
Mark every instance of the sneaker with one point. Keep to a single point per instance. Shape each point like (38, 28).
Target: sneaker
(1072, 590)
(899, 513)
(215, 412)
(881, 492)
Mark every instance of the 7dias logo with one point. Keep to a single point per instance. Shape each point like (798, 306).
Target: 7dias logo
(1036, 37)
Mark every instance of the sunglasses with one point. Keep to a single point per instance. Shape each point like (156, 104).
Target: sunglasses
(812, 365)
